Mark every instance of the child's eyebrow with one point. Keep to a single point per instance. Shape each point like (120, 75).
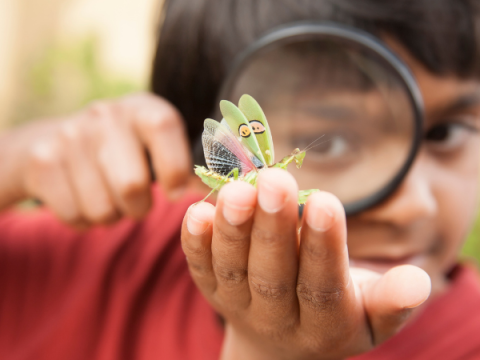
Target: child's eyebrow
(331, 112)
(463, 101)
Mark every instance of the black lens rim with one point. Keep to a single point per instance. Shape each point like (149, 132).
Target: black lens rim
(294, 31)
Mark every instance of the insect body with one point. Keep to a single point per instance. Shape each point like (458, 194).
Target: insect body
(241, 146)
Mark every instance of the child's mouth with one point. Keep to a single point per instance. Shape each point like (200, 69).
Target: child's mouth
(383, 264)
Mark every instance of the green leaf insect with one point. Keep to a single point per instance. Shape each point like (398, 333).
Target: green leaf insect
(241, 146)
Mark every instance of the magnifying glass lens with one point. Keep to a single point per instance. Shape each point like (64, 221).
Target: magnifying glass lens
(341, 98)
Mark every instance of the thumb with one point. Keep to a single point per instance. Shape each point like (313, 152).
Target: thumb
(390, 300)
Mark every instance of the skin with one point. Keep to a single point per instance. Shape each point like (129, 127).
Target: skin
(350, 148)
(91, 167)
(284, 293)
(287, 297)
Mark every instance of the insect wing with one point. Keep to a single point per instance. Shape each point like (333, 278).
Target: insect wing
(239, 124)
(258, 122)
(224, 123)
(223, 152)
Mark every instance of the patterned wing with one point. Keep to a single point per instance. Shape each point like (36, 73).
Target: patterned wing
(239, 124)
(259, 124)
(224, 123)
(223, 152)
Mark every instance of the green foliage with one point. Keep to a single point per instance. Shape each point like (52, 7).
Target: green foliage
(66, 77)
(471, 249)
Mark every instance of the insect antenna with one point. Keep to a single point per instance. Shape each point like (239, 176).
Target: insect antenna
(315, 143)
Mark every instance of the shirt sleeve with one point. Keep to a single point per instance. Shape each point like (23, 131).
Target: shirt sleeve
(88, 295)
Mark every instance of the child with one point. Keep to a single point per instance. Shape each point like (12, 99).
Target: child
(121, 289)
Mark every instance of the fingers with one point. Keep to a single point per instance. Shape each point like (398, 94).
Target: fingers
(93, 167)
(92, 194)
(272, 263)
(243, 256)
(324, 289)
(123, 164)
(161, 128)
(252, 266)
(218, 259)
(390, 299)
(196, 244)
(45, 172)
(251, 269)
(231, 243)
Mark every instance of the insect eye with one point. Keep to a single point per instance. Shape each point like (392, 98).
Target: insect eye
(244, 131)
(257, 126)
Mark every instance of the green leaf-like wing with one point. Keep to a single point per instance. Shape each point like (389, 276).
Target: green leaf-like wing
(238, 123)
(258, 121)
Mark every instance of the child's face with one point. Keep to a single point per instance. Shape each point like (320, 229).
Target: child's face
(426, 220)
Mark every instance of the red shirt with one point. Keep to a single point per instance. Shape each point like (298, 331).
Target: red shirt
(124, 292)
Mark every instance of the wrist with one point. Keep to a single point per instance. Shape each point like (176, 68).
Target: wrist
(236, 347)
(239, 347)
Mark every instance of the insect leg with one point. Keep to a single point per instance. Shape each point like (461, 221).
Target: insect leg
(222, 182)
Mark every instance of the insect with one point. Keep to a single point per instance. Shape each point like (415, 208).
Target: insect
(240, 146)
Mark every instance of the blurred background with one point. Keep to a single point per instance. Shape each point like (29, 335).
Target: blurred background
(59, 55)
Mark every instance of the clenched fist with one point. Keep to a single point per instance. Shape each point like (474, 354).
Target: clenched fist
(93, 167)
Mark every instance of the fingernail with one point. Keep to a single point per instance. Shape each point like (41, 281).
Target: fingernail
(195, 226)
(236, 215)
(319, 218)
(270, 200)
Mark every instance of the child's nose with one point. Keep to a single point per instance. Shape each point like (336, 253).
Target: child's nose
(414, 199)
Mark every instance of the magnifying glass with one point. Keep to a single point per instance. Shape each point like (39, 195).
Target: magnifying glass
(345, 89)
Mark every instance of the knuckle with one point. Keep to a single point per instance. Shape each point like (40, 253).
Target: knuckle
(100, 109)
(43, 156)
(132, 188)
(198, 269)
(267, 237)
(194, 250)
(174, 177)
(69, 132)
(104, 216)
(230, 276)
(316, 250)
(320, 299)
(72, 216)
(232, 240)
(159, 118)
(271, 291)
(161, 123)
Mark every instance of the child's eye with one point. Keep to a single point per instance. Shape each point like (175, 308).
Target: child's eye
(448, 136)
(332, 150)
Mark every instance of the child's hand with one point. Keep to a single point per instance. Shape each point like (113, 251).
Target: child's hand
(92, 167)
(286, 296)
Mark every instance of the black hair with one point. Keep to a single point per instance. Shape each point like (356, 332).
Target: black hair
(199, 39)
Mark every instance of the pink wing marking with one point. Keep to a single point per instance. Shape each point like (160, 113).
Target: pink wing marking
(223, 151)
